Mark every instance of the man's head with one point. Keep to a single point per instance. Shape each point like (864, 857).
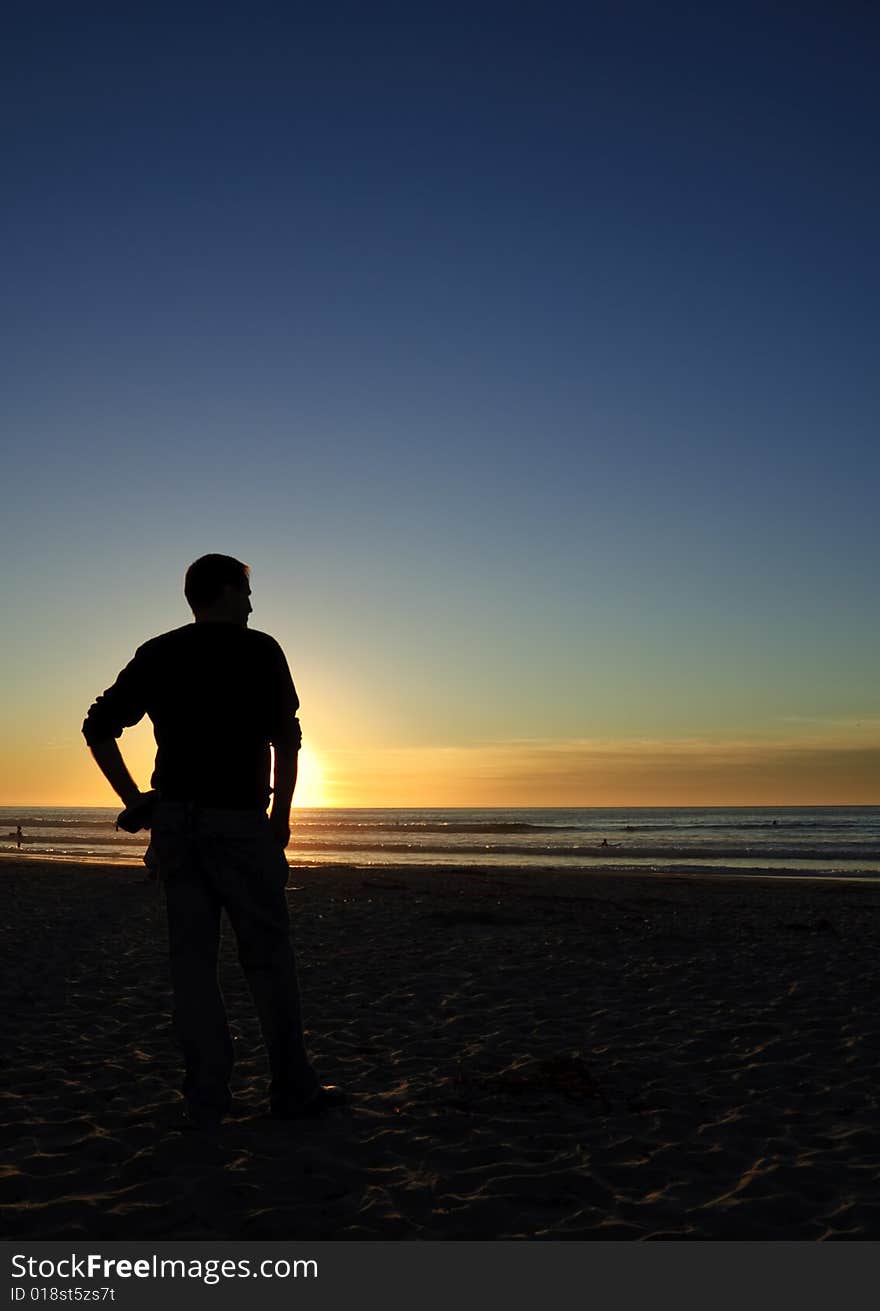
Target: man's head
(218, 590)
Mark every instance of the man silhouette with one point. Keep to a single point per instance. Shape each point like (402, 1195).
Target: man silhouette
(219, 695)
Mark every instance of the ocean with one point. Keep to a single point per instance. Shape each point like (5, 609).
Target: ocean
(822, 841)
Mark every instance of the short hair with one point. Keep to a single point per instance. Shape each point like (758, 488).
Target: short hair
(207, 576)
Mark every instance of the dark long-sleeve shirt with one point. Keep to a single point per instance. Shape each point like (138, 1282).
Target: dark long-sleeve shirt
(218, 695)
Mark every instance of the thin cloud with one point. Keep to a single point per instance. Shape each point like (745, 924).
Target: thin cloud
(646, 771)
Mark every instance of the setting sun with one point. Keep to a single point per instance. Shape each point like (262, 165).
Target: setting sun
(309, 781)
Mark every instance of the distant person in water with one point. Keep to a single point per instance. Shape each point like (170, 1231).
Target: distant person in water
(220, 695)
(19, 836)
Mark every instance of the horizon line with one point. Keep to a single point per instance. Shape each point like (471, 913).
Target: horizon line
(763, 805)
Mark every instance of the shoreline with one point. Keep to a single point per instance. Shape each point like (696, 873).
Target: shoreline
(705, 873)
(564, 1058)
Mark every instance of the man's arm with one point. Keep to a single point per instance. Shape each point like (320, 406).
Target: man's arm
(286, 760)
(286, 737)
(109, 760)
(121, 706)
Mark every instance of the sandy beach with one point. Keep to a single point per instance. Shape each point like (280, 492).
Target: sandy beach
(550, 1056)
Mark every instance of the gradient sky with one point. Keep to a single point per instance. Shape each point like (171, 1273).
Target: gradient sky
(527, 353)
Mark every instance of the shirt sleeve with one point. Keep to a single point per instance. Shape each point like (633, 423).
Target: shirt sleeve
(121, 706)
(284, 726)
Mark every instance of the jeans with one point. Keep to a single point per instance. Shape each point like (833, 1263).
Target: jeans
(214, 860)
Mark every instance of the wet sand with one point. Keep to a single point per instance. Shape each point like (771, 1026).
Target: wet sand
(554, 1056)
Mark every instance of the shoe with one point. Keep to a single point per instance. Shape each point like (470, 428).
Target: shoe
(326, 1097)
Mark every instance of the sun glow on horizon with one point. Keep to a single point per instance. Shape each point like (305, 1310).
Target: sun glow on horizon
(310, 792)
(790, 763)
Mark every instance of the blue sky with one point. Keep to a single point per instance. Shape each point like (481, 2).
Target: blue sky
(527, 353)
